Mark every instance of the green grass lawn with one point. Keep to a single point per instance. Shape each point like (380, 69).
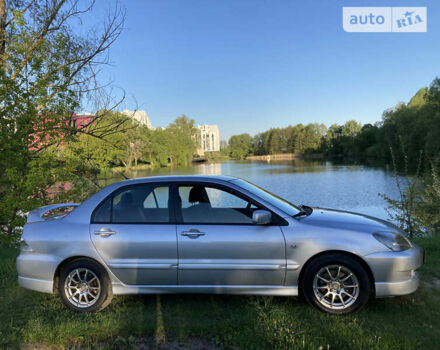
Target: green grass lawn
(29, 319)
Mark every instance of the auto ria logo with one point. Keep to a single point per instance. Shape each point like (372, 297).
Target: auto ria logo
(384, 19)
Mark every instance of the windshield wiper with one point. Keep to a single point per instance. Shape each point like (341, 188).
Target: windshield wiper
(305, 211)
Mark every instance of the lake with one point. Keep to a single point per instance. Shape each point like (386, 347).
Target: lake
(312, 182)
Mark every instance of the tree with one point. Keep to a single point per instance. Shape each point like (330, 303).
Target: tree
(258, 144)
(174, 145)
(419, 99)
(184, 133)
(46, 71)
(240, 146)
(351, 128)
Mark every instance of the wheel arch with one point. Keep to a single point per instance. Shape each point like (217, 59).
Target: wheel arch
(69, 260)
(361, 261)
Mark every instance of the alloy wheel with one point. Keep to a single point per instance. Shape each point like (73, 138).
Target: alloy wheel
(336, 287)
(82, 287)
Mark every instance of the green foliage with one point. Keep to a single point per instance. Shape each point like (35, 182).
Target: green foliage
(429, 207)
(46, 70)
(174, 145)
(240, 146)
(351, 128)
(293, 139)
(417, 209)
(415, 125)
(131, 142)
(404, 209)
(183, 136)
(419, 99)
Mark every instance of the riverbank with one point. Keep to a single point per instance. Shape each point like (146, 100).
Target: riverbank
(118, 169)
(219, 158)
(286, 156)
(34, 320)
(155, 166)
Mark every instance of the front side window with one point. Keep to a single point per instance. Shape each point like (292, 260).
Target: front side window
(273, 199)
(158, 198)
(205, 204)
(135, 204)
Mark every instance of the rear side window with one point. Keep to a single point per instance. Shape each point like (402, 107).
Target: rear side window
(102, 213)
(140, 204)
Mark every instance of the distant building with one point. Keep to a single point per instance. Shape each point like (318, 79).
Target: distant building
(41, 139)
(209, 138)
(80, 120)
(140, 116)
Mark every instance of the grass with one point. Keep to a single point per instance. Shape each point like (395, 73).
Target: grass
(29, 319)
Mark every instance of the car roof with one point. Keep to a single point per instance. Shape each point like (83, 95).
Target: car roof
(172, 178)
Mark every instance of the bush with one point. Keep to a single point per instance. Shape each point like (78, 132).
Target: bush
(417, 210)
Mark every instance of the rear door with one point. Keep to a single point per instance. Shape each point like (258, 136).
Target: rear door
(218, 243)
(134, 232)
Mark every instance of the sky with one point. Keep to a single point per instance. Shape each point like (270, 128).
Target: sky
(249, 65)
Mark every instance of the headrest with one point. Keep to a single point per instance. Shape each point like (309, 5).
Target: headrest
(198, 194)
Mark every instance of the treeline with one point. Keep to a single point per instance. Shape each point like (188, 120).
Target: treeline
(292, 139)
(410, 129)
(299, 139)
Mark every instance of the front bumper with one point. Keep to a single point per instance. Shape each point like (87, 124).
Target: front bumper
(395, 272)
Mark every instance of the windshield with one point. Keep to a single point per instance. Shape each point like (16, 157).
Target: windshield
(273, 199)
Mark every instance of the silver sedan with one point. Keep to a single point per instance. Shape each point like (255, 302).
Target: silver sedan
(202, 234)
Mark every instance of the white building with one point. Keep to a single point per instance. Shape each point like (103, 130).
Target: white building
(140, 116)
(209, 137)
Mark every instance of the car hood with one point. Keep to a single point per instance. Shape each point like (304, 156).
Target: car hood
(347, 220)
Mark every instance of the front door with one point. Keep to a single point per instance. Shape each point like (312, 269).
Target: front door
(134, 233)
(218, 243)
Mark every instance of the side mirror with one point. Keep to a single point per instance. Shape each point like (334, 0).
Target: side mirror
(261, 217)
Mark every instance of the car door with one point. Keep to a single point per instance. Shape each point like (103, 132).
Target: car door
(219, 245)
(133, 230)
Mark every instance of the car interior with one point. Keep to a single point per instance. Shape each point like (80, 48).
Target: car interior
(141, 204)
(196, 204)
(217, 206)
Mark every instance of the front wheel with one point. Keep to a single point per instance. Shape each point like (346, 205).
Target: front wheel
(336, 284)
(84, 286)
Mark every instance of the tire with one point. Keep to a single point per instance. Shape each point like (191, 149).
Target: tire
(84, 286)
(336, 284)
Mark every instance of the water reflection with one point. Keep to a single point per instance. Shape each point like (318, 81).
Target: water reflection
(352, 187)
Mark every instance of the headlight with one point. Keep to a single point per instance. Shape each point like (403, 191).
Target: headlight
(395, 241)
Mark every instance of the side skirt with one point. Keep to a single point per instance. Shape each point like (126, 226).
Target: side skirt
(119, 288)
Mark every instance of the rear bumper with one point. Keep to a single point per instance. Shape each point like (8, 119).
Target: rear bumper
(395, 272)
(36, 271)
(36, 284)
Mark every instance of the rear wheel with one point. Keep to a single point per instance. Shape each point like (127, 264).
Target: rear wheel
(84, 286)
(336, 284)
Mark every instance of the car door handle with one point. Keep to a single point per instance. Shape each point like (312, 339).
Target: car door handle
(105, 232)
(192, 233)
